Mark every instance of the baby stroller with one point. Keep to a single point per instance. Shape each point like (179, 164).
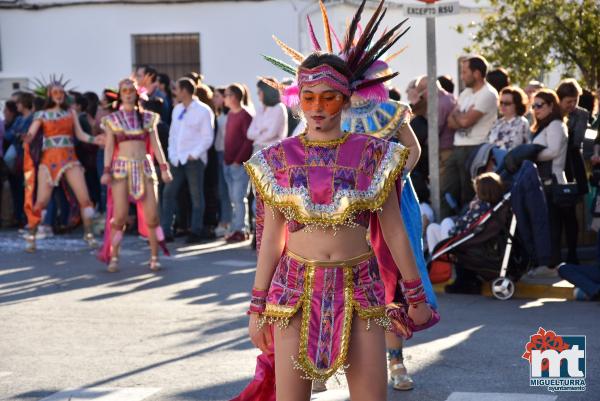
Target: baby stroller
(513, 235)
(490, 248)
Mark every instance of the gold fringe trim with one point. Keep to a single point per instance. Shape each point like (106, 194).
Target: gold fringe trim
(291, 205)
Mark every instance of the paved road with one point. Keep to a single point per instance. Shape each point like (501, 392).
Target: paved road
(181, 334)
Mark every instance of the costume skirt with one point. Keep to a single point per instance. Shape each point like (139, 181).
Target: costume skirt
(134, 171)
(56, 160)
(328, 293)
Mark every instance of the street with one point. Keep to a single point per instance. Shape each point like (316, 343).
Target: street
(69, 330)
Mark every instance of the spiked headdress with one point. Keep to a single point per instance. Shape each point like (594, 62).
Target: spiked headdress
(361, 51)
(43, 85)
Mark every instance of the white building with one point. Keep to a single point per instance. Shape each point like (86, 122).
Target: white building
(95, 43)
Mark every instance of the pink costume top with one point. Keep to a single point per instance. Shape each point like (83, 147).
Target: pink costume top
(325, 185)
(126, 125)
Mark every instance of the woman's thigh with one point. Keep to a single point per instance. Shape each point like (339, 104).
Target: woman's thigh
(367, 370)
(288, 382)
(150, 204)
(120, 197)
(76, 179)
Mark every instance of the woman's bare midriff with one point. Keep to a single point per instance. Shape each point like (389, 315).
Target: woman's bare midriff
(329, 245)
(133, 150)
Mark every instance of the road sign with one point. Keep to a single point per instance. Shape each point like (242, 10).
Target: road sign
(433, 10)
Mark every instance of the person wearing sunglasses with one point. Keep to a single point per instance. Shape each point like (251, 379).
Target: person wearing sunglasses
(129, 170)
(550, 130)
(512, 129)
(58, 159)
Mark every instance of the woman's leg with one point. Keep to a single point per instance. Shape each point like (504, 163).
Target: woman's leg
(76, 180)
(120, 196)
(289, 385)
(400, 378)
(150, 205)
(224, 201)
(44, 193)
(571, 229)
(366, 374)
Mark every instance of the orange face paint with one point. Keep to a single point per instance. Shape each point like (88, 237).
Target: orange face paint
(128, 90)
(57, 92)
(330, 102)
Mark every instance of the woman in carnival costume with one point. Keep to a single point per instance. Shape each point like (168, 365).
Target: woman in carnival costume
(50, 156)
(318, 303)
(131, 143)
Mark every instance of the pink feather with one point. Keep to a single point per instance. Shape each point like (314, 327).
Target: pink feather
(313, 37)
(376, 92)
(337, 40)
(291, 96)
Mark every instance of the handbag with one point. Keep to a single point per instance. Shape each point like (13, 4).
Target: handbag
(564, 195)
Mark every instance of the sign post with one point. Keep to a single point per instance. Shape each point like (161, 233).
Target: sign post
(431, 11)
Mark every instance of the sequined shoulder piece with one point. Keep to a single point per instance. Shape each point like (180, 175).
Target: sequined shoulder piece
(382, 120)
(111, 121)
(327, 184)
(151, 119)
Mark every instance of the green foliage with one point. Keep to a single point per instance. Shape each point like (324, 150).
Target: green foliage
(532, 37)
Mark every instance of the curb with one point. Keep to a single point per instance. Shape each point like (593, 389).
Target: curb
(527, 290)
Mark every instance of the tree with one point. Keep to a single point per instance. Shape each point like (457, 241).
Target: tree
(531, 37)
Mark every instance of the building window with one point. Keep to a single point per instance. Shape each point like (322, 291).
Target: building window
(174, 54)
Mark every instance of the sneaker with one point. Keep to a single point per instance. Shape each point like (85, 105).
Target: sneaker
(543, 272)
(580, 295)
(44, 232)
(221, 231)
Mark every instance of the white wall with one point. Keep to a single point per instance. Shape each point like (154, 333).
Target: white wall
(91, 45)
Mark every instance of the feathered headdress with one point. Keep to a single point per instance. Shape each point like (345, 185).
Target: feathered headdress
(360, 49)
(43, 85)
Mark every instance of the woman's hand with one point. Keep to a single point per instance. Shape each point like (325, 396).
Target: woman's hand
(28, 137)
(105, 179)
(260, 337)
(166, 176)
(420, 313)
(100, 140)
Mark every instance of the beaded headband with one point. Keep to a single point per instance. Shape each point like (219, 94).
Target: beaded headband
(324, 74)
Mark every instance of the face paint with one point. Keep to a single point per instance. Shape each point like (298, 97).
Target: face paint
(330, 102)
(57, 92)
(127, 90)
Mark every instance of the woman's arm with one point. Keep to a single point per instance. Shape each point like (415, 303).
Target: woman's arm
(109, 147)
(159, 155)
(394, 234)
(272, 244)
(79, 132)
(32, 131)
(407, 137)
(556, 134)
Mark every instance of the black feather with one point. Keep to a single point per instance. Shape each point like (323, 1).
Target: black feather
(376, 81)
(378, 49)
(351, 30)
(362, 42)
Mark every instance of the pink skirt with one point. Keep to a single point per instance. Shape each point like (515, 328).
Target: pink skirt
(328, 293)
